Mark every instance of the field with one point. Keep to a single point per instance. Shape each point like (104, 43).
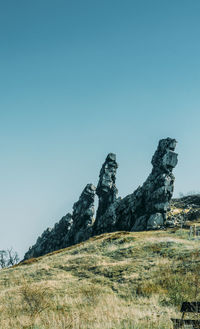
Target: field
(118, 280)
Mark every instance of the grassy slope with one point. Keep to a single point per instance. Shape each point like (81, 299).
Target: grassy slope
(116, 280)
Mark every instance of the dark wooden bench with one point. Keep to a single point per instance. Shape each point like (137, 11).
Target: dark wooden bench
(191, 307)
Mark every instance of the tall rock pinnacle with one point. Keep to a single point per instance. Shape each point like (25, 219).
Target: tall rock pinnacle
(146, 208)
(106, 188)
(82, 216)
(160, 184)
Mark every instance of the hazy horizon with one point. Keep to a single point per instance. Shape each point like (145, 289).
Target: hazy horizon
(84, 78)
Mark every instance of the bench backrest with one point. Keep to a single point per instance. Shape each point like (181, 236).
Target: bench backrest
(193, 307)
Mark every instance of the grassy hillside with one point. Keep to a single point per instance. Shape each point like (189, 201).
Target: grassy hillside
(117, 280)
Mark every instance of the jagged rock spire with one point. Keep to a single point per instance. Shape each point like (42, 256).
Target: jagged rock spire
(146, 208)
(160, 183)
(83, 216)
(165, 159)
(106, 188)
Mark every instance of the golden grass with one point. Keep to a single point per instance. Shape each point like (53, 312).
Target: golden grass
(118, 280)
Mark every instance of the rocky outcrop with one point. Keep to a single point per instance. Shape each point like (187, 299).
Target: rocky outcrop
(71, 229)
(83, 216)
(106, 191)
(157, 191)
(144, 209)
(183, 211)
(51, 239)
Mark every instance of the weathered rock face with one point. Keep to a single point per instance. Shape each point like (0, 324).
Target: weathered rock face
(83, 216)
(144, 209)
(106, 188)
(51, 239)
(106, 191)
(71, 229)
(158, 189)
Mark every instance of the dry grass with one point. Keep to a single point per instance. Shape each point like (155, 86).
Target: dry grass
(117, 280)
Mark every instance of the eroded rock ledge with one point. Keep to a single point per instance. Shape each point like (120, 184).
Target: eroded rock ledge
(144, 209)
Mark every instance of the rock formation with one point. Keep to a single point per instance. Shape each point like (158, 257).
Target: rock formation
(51, 239)
(83, 216)
(183, 211)
(106, 190)
(71, 229)
(144, 209)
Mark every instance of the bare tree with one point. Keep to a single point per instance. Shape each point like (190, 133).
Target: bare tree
(3, 258)
(13, 257)
(8, 258)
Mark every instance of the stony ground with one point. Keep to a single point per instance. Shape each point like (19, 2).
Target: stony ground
(185, 211)
(118, 280)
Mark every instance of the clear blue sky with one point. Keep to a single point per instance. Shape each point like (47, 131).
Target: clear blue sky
(79, 79)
